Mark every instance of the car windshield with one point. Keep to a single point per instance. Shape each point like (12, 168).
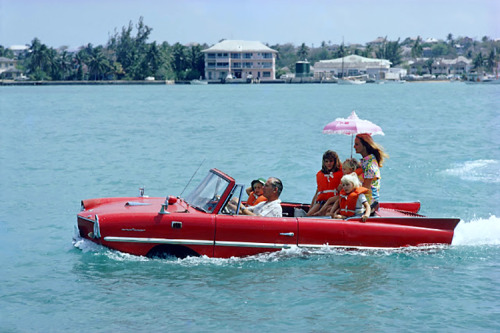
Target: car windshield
(208, 193)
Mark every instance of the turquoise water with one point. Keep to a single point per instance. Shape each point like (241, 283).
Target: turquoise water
(61, 144)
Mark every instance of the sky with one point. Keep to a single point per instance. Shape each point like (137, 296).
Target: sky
(74, 23)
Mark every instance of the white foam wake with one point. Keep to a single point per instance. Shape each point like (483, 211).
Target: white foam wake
(478, 232)
(486, 171)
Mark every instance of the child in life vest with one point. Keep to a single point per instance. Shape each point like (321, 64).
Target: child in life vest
(352, 200)
(350, 165)
(256, 192)
(328, 180)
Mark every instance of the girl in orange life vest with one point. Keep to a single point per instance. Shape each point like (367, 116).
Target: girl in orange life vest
(350, 165)
(256, 192)
(352, 200)
(328, 180)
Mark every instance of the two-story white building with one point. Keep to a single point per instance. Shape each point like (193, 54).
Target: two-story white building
(6, 64)
(239, 59)
(457, 66)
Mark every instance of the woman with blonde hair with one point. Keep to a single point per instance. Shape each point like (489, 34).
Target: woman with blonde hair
(373, 159)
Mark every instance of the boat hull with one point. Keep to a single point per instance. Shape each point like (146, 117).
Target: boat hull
(144, 231)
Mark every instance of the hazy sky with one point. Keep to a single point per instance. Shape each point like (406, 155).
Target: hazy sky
(77, 22)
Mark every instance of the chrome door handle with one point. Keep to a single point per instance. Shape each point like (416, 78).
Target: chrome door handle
(289, 234)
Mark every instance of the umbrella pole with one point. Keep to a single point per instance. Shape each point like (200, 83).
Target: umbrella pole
(352, 143)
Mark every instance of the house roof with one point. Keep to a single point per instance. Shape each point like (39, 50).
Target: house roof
(4, 59)
(239, 46)
(357, 59)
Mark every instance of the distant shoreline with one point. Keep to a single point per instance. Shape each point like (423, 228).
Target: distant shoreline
(171, 82)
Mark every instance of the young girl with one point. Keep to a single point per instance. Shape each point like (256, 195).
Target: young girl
(350, 165)
(328, 180)
(352, 200)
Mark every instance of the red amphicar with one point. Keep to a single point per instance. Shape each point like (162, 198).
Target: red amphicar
(202, 224)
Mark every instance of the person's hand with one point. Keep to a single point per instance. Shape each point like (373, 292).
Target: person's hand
(364, 217)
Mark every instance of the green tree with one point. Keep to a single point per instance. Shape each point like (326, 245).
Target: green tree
(39, 61)
(64, 62)
(390, 51)
(7, 53)
(79, 62)
(97, 62)
(439, 50)
(303, 52)
(478, 61)
(152, 61)
(428, 65)
(449, 38)
(179, 61)
(490, 61)
(130, 50)
(368, 51)
(416, 49)
(197, 63)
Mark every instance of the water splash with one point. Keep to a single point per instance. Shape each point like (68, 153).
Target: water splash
(478, 232)
(485, 171)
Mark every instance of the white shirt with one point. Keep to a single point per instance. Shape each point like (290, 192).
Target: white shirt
(360, 209)
(267, 208)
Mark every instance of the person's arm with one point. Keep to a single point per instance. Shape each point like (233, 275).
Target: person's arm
(314, 198)
(334, 209)
(247, 210)
(368, 211)
(249, 190)
(367, 183)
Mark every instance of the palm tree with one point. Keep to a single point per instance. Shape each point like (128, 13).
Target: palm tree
(98, 63)
(303, 52)
(416, 49)
(490, 61)
(478, 61)
(65, 64)
(39, 60)
(449, 38)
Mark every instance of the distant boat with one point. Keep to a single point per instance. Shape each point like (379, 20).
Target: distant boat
(390, 81)
(476, 78)
(350, 81)
(198, 82)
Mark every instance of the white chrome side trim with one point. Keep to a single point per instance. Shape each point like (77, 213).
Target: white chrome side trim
(251, 244)
(196, 242)
(158, 240)
(318, 246)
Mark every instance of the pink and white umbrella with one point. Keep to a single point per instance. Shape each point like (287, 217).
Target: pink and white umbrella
(352, 125)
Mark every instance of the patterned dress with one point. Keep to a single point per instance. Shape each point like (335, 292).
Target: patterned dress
(371, 170)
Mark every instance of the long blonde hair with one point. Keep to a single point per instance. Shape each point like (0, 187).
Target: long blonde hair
(372, 147)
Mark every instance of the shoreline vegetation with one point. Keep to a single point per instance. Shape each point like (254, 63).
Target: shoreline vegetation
(174, 82)
(129, 58)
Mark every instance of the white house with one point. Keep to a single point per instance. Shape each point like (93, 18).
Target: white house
(7, 64)
(458, 66)
(351, 65)
(240, 60)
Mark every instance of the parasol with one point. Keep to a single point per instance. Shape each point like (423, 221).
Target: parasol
(352, 125)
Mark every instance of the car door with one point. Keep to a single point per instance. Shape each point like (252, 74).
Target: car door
(242, 235)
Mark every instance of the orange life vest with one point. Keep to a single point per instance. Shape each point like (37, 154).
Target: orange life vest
(347, 203)
(361, 175)
(327, 184)
(253, 199)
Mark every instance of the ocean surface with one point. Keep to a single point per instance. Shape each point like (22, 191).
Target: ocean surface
(62, 144)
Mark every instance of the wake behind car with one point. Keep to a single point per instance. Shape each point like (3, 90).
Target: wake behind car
(202, 224)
